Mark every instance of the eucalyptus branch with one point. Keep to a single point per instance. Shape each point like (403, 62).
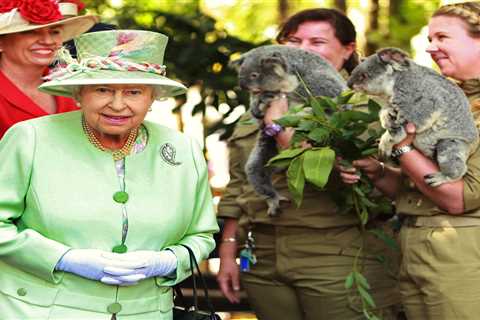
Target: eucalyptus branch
(336, 127)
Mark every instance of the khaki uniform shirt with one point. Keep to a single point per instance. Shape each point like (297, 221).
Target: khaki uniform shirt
(410, 201)
(241, 202)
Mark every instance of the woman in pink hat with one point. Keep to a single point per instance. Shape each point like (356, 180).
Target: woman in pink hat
(31, 32)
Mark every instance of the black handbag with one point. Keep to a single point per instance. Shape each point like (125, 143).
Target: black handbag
(183, 311)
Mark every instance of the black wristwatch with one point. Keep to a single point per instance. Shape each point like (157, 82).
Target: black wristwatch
(397, 152)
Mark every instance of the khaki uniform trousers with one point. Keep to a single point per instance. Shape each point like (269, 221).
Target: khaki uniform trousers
(300, 275)
(440, 272)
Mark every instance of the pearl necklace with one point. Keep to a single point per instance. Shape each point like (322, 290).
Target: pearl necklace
(116, 154)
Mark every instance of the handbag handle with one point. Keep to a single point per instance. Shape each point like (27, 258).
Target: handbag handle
(193, 262)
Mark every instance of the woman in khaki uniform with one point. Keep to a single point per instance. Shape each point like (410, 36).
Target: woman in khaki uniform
(440, 237)
(305, 254)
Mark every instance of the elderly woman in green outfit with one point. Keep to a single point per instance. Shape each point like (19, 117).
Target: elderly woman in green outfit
(440, 236)
(96, 204)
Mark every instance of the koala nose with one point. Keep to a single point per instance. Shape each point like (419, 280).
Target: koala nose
(243, 84)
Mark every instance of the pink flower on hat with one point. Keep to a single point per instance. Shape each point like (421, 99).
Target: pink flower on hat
(40, 11)
(125, 37)
(8, 5)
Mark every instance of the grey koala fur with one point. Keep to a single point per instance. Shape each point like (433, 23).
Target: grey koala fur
(268, 72)
(445, 128)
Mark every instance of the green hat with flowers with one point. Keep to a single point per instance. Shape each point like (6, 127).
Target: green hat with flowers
(113, 57)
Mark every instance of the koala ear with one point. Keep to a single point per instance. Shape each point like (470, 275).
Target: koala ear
(394, 56)
(276, 62)
(236, 64)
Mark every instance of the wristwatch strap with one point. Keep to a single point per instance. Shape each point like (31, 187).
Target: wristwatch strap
(396, 153)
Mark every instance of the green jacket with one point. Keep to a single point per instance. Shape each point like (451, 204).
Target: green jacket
(410, 201)
(56, 193)
(240, 201)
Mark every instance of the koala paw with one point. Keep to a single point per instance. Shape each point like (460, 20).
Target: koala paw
(385, 146)
(436, 179)
(274, 205)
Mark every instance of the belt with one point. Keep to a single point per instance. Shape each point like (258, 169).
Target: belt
(440, 220)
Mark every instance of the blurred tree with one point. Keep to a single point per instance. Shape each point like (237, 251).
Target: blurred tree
(404, 19)
(372, 26)
(340, 5)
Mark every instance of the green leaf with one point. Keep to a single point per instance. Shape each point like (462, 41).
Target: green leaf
(338, 120)
(381, 258)
(345, 163)
(297, 139)
(349, 281)
(319, 135)
(327, 103)
(369, 152)
(389, 241)
(307, 125)
(345, 96)
(367, 314)
(317, 165)
(296, 108)
(289, 121)
(282, 164)
(368, 203)
(364, 217)
(360, 280)
(370, 316)
(296, 179)
(358, 191)
(286, 154)
(374, 134)
(318, 109)
(373, 107)
(366, 297)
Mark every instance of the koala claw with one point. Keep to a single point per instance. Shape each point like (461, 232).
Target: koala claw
(274, 205)
(436, 179)
(385, 146)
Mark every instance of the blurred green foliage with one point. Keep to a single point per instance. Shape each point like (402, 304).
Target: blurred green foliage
(399, 21)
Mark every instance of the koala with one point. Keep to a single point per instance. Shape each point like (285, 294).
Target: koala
(269, 72)
(445, 128)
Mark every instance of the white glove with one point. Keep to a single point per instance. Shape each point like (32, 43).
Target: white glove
(90, 263)
(157, 263)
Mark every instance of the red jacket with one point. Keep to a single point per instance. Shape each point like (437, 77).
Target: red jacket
(15, 106)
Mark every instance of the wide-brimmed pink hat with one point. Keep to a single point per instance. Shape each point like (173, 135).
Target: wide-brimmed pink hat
(25, 15)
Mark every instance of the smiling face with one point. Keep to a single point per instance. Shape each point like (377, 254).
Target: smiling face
(319, 37)
(453, 49)
(35, 48)
(112, 111)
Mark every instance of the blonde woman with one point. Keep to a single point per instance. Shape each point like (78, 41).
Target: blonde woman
(440, 236)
